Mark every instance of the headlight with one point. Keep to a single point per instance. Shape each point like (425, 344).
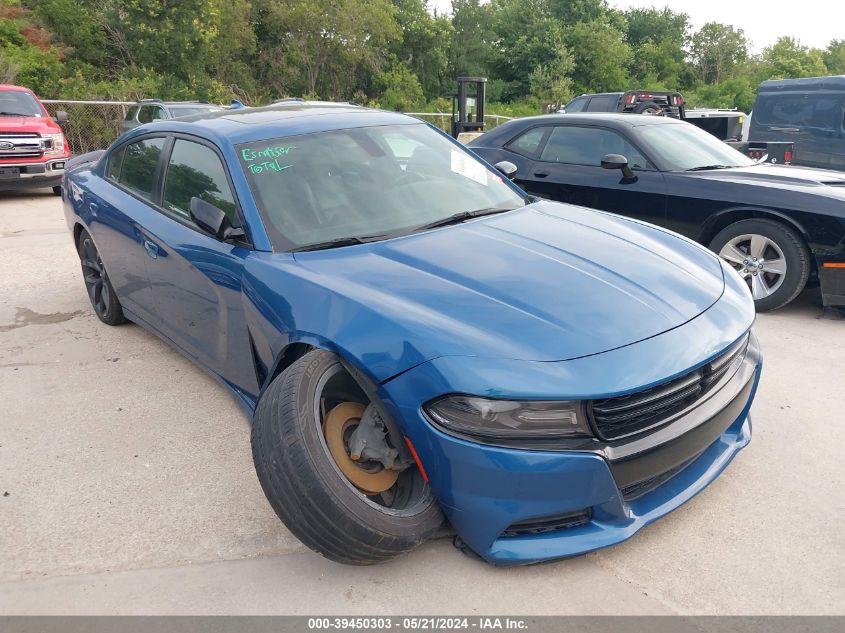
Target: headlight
(509, 419)
(57, 143)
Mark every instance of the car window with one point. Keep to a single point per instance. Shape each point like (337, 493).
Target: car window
(601, 104)
(19, 103)
(587, 146)
(528, 143)
(115, 163)
(195, 170)
(576, 105)
(140, 160)
(131, 112)
(150, 113)
(823, 111)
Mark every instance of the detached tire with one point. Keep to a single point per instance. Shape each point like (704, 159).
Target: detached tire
(305, 485)
(770, 256)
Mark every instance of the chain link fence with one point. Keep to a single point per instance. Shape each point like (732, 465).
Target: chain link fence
(94, 125)
(91, 125)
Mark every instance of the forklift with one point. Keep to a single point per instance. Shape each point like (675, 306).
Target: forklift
(468, 108)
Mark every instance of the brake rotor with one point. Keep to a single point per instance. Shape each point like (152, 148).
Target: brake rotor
(338, 421)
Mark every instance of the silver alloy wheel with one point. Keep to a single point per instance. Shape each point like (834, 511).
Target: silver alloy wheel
(759, 260)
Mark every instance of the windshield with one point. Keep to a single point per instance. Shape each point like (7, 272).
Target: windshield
(18, 103)
(681, 146)
(364, 182)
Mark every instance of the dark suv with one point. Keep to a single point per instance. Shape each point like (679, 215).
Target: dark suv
(156, 110)
(632, 102)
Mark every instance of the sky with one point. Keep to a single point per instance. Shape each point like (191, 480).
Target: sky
(814, 22)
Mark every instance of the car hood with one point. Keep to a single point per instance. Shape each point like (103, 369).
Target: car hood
(40, 125)
(824, 181)
(544, 282)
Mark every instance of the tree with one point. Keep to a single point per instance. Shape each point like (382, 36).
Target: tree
(470, 48)
(716, 49)
(788, 59)
(323, 47)
(834, 57)
(424, 45)
(551, 83)
(601, 56)
(658, 38)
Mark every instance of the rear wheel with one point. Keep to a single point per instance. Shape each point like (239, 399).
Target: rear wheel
(100, 291)
(771, 257)
(57, 190)
(338, 501)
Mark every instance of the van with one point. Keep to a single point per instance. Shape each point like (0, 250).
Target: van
(810, 113)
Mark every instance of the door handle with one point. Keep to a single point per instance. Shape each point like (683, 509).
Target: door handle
(783, 129)
(94, 207)
(541, 174)
(151, 248)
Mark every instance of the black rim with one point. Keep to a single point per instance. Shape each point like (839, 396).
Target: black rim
(95, 277)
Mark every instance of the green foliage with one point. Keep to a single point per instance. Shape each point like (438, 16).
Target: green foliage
(716, 50)
(601, 57)
(788, 59)
(391, 53)
(834, 57)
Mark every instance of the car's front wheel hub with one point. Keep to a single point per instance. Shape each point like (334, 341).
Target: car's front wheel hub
(368, 476)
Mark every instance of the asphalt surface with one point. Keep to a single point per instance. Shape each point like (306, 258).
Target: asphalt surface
(127, 486)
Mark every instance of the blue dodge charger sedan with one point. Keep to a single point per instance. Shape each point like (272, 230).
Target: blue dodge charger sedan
(416, 340)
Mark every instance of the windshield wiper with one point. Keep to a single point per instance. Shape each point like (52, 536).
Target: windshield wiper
(15, 114)
(463, 216)
(707, 167)
(340, 241)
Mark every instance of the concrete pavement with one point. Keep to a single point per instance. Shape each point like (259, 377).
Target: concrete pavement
(127, 485)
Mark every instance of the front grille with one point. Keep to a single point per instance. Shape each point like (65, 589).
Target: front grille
(550, 524)
(615, 418)
(23, 145)
(634, 491)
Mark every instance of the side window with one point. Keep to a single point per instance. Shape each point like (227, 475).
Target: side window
(159, 113)
(140, 160)
(601, 104)
(529, 142)
(587, 146)
(145, 114)
(115, 163)
(577, 105)
(130, 113)
(196, 171)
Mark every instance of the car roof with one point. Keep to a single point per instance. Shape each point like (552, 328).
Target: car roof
(613, 120)
(245, 125)
(813, 83)
(17, 88)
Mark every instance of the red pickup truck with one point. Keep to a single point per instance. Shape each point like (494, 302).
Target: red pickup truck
(33, 149)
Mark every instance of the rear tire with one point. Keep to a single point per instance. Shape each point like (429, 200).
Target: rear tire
(57, 190)
(783, 256)
(304, 484)
(100, 291)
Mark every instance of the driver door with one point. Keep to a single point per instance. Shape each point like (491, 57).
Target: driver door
(568, 169)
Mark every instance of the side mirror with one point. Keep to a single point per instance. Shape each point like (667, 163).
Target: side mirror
(506, 168)
(617, 161)
(61, 117)
(212, 219)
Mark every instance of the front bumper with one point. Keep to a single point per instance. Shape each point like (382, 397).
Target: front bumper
(33, 175)
(487, 490)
